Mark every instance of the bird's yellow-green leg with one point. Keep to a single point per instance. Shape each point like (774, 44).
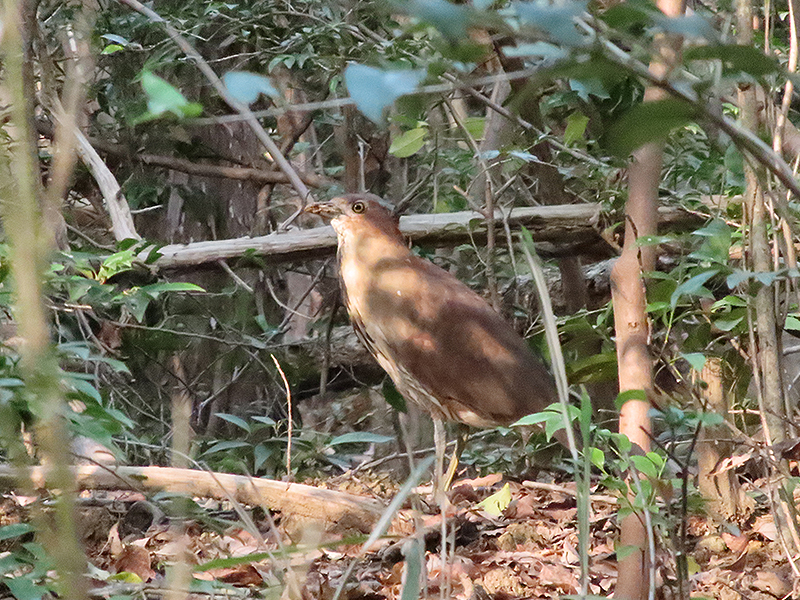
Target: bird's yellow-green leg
(440, 444)
(461, 442)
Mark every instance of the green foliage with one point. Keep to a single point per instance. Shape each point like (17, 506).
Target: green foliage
(260, 443)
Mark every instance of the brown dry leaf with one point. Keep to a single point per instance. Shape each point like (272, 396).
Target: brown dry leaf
(731, 462)
(560, 577)
(503, 580)
(136, 560)
(771, 583)
(240, 575)
(765, 525)
(481, 482)
(736, 543)
(526, 507)
(240, 542)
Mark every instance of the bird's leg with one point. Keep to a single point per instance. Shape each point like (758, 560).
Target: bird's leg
(440, 443)
(461, 442)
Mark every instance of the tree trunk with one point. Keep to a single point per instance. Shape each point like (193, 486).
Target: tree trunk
(630, 317)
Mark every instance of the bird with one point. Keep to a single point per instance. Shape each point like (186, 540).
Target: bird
(444, 347)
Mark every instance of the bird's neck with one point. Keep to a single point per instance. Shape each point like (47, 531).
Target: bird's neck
(368, 244)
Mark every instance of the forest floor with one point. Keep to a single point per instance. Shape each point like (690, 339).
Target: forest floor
(527, 550)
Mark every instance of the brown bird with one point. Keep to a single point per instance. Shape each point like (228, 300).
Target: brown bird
(444, 347)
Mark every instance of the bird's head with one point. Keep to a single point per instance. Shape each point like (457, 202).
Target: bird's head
(357, 211)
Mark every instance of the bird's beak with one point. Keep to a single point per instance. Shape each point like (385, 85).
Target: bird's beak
(323, 209)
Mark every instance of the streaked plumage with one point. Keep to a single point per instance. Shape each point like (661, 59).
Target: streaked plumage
(443, 346)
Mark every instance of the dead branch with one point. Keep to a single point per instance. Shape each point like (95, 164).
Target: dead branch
(118, 209)
(575, 226)
(337, 511)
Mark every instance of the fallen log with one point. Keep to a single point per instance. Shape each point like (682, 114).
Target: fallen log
(335, 511)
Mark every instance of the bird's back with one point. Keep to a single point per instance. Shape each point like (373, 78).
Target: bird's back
(441, 343)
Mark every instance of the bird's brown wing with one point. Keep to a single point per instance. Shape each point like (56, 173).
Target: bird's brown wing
(454, 345)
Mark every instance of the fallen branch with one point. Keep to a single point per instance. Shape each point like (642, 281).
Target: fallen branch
(338, 511)
(574, 225)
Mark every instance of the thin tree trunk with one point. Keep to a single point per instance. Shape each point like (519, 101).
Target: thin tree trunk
(768, 349)
(630, 317)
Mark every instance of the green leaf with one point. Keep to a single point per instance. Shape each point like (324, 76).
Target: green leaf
(392, 396)
(154, 289)
(373, 89)
(224, 446)
(238, 421)
(792, 323)
(261, 454)
(556, 20)
(23, 588)
(538, 49)
(644, 465)
(727, 324)
(692, 286)
(717, 243)
(738, 277)
(449, 19)
(697, 360)
(576, 127)
(15, 530)
(629, 395)
(597, 457)
(265, 420)
(246, 87)
(409, 143)
(745, 59)
(648, 122)
(163, 98)
(360, 437)
(497, 502)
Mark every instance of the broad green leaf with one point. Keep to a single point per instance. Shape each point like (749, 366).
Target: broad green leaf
(645, 466)
(717, 243)
(23, 588)
(629, 395)
(392, 396)
(692, 286)
(738, 277)
(497, 502)
(450, 20)
(373, 89)
(576, 127)
(597, 457)
(697, 360)
(792, 323)
(409, 143)
(8, 532)
(238, 421)
(225, 445)
(648, 122)
(162, 98)
(727, 324)
(246, 87)
(261, 454)
(556, 20)
(745, 59)
(360, 437)
(265, 420)
(539, 49)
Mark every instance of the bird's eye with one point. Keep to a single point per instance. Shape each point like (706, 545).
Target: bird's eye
(359, 207)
